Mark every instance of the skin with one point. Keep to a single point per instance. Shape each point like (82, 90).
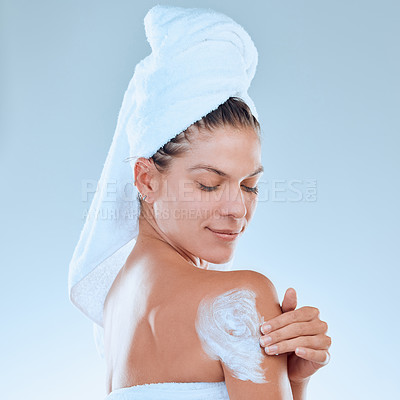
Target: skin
(178, 193)
(228, 326)
(171, 255)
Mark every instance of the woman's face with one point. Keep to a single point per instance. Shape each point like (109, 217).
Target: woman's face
(210, 188)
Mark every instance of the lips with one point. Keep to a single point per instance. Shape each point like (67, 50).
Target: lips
(225, 235)
(225, 231)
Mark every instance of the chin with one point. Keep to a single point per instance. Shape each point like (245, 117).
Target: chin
(219, 258)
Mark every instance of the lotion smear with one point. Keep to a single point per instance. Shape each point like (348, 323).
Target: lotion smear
(229, 328)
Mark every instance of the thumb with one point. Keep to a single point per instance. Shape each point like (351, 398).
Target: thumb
(289, 302)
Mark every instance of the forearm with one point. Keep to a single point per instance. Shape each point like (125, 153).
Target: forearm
(299, 390)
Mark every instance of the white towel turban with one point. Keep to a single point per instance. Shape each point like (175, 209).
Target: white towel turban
(199, 59)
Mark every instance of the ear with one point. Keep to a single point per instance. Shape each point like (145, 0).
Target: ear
(146, 178)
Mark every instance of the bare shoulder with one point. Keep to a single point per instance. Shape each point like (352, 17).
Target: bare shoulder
(228, 325)
(241, 287)
(256, 279)
(249, 290)
(264, 290)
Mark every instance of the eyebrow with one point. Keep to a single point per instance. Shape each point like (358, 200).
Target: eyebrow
(221, 173)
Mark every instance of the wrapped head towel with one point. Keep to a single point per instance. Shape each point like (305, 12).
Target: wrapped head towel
(199, 59)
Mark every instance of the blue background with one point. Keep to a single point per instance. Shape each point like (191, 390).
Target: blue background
(327, 90)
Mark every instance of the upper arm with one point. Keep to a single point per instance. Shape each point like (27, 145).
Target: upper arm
(228, 326)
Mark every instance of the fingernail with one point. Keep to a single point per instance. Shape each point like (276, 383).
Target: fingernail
(265, 339)
(265, 328)
(271, 349)
(300, 351)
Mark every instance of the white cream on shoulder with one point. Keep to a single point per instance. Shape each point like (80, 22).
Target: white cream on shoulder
(228, 327)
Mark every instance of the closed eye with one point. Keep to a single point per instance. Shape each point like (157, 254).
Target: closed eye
(211, 188)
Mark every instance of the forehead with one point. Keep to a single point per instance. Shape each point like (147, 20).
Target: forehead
(228, 150)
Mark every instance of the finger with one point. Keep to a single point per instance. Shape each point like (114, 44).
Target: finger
(305, 313)
(316, 342)
(289, 302)
(320, 357)
(294, 330)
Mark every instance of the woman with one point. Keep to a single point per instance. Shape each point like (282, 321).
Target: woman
(174, 327)
(151, 310)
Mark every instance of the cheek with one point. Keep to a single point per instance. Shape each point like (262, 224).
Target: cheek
(183, 217)
(193, 212)
(251, 207)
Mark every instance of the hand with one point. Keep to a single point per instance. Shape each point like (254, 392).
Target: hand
(300, 333)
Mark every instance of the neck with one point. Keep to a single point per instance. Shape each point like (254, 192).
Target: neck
(151, 240)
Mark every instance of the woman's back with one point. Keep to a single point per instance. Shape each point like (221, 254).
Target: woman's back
(149, 321)
(150, 327)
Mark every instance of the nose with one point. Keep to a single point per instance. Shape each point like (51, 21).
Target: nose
(234, 205)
